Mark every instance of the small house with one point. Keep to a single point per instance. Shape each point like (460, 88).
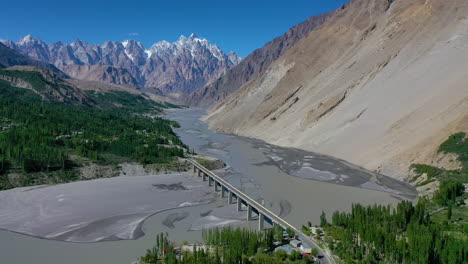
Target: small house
(305, 248)
(288, 250)
(295, 243)
(313, 230)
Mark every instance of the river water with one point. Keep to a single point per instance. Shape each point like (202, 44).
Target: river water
(295, 184)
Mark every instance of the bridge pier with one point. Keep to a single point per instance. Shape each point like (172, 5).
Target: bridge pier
(200, 173)
(216, 186)
(261, 221)
(223, 191)
(194, 169)
(210, 181)
(239, 204)
(230, 197)
(249, 212)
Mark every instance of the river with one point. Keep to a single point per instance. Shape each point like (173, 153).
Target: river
(296, 184)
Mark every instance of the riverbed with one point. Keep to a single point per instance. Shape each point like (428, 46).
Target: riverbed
(295, 184)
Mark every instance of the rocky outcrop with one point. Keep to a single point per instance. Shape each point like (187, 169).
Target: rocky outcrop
(103, 73)
(185, 65)
(16, 82)
(380, 84)
(255, 63)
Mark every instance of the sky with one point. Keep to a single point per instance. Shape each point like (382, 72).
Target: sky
(239, 25)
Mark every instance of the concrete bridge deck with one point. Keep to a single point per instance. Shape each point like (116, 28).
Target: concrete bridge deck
(264, 214)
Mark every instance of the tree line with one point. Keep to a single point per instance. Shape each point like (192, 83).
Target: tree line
(405, 234)
(225, 246)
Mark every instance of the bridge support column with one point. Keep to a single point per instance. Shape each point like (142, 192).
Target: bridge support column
(276, 226)
(216, 186)
(261, 221)
(249, 212)
(230, 197)
(200, 173)
(204, 177)
(239, 204)
(223, 191)
(194, 169)
(210, 181)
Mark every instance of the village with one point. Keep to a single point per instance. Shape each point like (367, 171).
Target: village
(287, 245)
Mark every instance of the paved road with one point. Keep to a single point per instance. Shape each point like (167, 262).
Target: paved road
(266, 212)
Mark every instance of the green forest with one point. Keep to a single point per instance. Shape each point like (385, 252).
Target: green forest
(406, 234)
(226, 245)
(43, 136)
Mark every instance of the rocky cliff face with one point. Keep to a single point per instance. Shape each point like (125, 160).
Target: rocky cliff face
(380, 84)
(182, 66)
(10, 57)
(254, 64)
(185, 65)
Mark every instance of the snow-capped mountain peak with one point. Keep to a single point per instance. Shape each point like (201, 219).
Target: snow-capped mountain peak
(180, 66)
(125, 43)
(26, 39)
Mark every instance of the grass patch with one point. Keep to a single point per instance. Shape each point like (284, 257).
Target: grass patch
(209, 164)
(119, 99)
(432, 172)
(457, 144)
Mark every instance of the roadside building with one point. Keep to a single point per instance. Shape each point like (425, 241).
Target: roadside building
(191, 247)
(313, 230)
(288, 250)
(295, 243)
(305, 248)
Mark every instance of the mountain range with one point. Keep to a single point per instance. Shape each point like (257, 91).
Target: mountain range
(9, 58)
(255, 63)
(179, 67)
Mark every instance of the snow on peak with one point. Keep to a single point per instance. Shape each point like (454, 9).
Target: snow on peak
(182, 38)
(125, 43)
(148, 54)
(26, 39)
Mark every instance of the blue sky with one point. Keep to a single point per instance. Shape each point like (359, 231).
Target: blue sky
(241, 25)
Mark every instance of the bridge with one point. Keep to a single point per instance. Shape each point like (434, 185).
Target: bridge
(263, 213)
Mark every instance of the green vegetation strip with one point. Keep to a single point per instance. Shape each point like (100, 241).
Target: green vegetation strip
(43, 136)
(227, 245)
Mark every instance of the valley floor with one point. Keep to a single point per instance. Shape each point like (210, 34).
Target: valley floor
(98, 210)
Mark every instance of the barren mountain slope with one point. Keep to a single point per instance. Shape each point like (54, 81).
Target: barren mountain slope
(381, 84)
(104, 73)
(255, 63)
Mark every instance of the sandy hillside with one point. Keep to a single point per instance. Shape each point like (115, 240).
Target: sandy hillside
(381, 84)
